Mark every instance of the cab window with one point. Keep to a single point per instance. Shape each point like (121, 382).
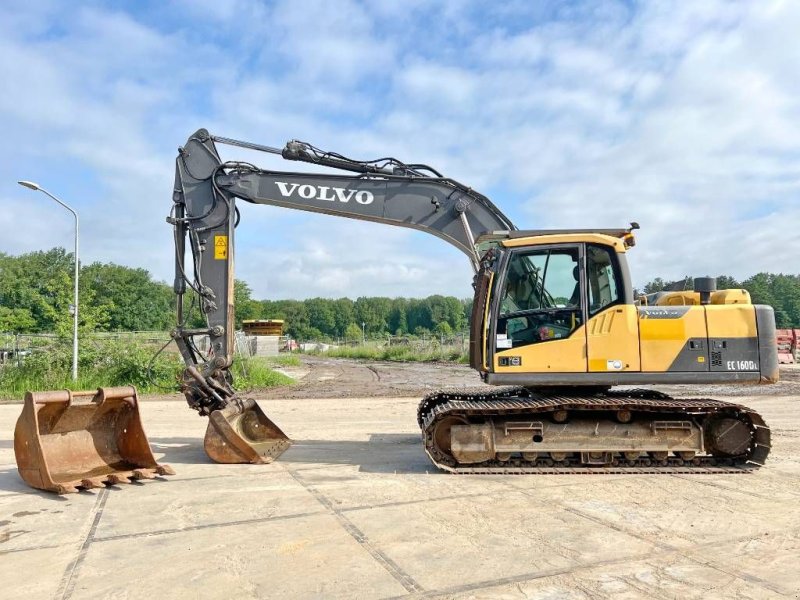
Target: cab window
(541, 299)
(602, 278)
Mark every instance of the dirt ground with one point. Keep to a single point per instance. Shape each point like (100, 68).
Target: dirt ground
(320, 377)
(355, 510)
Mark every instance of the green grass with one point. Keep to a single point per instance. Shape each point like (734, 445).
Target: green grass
(254, 373)
(115, 363)
(284, 360)
(397, 353)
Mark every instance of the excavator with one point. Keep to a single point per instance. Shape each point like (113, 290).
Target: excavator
(555, 328)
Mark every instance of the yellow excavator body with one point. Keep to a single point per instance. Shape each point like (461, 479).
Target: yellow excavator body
(555, 325)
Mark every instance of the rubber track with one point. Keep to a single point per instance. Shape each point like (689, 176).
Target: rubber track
(509, 401)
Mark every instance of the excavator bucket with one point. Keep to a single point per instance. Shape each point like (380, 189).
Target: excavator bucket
(242, 433)
(67, 440)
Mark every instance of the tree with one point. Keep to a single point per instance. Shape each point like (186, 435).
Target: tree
(373, 312)
(41, 283)
(130, 297)
(16, 319)
(352, 332)
(343, 314)
(321, 315)
(245, 307)
(443, 329)
(296, 317)
(397, 316)
(657, 285)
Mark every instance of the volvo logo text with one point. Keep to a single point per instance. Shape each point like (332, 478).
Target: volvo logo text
(324, 192)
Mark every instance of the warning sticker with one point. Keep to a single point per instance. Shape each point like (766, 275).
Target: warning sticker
(221, 247)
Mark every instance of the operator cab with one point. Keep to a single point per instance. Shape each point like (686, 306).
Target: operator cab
(553, 302)
(542, 295)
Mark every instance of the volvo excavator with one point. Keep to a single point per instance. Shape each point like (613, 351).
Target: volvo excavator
(554, 326)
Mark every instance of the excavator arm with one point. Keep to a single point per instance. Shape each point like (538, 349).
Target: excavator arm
(204, 217)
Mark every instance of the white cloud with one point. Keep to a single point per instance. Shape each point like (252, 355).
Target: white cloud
(683, 116)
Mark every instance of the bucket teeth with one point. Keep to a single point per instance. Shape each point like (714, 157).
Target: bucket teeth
(114, 478)
(143, 474)
(66, 489)
(165, 470)
(95, 482)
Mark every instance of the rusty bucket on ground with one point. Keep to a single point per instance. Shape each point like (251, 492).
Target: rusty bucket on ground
(67, 440)
(242, 433)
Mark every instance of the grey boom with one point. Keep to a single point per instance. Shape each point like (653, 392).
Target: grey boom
(385, 191)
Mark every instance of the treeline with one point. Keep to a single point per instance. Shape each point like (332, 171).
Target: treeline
(782, 292)
(36, 294)
(319, 318)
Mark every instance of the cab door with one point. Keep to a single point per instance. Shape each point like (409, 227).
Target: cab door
(540, 322)
(612, 328)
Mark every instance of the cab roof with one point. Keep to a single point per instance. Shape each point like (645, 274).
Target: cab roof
(620, 239)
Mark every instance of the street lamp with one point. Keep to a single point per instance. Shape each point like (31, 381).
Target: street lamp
(363, 333)
(34, 186)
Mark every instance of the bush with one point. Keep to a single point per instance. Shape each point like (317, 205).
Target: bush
(251, 373)
(397, 353)
(284, 360)
(115, 363)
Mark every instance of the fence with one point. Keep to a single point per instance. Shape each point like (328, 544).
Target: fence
(391, 344)
(14, 347)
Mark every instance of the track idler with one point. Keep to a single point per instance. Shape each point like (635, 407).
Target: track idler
(242, 433)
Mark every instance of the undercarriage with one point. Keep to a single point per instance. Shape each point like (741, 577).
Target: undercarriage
(520, 430)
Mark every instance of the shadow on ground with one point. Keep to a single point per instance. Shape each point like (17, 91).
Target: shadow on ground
(382, 453)
(10, 481)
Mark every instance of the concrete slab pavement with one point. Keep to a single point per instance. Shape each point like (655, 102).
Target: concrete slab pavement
(355, 510)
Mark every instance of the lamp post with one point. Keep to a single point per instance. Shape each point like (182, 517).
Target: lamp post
(34, 186)
(363, 333)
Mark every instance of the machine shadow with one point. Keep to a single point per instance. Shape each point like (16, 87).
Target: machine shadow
(10, 481)
(381, 453)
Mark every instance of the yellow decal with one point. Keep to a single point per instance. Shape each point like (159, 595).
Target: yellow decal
(221, 247)
(701, 359)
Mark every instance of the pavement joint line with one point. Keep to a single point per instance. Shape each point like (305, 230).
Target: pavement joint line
(684, 552)
(157, 532)
(67, 584)
(359, 536)
(447, 592)
(407, 502)
(681, 551)
(321, 468)
(615, 527)
(729, 489)
(743, 575)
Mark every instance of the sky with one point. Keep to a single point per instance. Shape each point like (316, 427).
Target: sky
(681, 116)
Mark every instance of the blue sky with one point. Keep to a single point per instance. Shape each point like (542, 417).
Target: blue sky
(683, 116)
